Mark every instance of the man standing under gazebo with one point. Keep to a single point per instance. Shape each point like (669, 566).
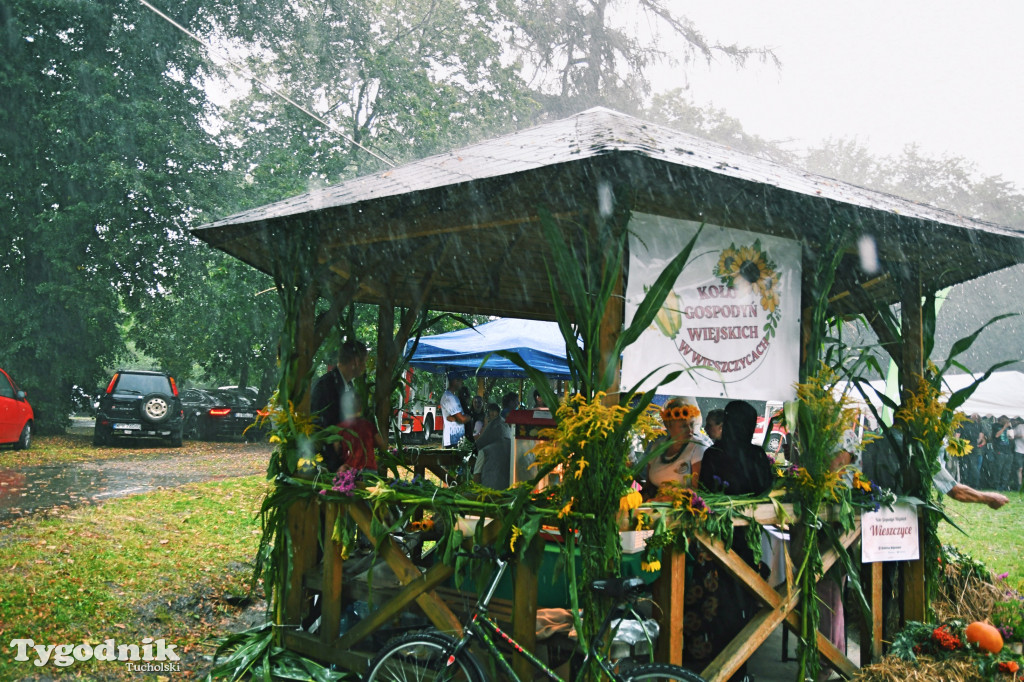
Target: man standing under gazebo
(335, 399)
(455, 419)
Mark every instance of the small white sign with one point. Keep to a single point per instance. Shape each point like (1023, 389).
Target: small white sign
(890, 534)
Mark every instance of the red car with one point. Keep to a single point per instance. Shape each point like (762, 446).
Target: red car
(16, 415)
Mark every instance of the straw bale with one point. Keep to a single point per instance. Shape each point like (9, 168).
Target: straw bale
(963, 595)
(893, 669)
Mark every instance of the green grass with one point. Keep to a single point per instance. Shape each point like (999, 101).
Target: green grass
(994, 537)
(155, 565)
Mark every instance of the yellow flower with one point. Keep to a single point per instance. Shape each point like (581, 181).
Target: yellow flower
(958, 447)
(581, 465)
(276, 439)
(379, 491)
(630, 500)
(651, 567)
(566, 509)
(770, 301)
(516, 534)
(728, 262)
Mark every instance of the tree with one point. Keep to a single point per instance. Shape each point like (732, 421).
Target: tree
(402, 84)
(102, 158)
(576, 54)
(219, 321)
(675, 110)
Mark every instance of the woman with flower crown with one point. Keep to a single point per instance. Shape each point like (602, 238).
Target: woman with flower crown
(679, 453)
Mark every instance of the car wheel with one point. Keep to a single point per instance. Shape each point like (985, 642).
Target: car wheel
(99, 436)
(155, 408)
(176, 439)
(26, 437)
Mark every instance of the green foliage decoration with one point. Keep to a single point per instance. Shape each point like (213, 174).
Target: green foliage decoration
(254, 654)
(594, 431)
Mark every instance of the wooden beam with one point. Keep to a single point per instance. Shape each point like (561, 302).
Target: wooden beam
(669, 596)
(303, 522)
(411, 591)
(780, 607)
(524, 616)
(915, 601)
(330, 616)
(406, 572)
(311, 646)
(871, 633)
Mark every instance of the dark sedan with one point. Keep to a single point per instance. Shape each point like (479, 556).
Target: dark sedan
(214, 413)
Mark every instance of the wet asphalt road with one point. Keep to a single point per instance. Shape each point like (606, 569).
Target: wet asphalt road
(30, 490)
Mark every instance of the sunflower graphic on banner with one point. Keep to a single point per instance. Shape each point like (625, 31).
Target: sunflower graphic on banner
(732, 318)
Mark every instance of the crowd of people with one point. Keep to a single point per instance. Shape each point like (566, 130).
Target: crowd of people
(997, 459)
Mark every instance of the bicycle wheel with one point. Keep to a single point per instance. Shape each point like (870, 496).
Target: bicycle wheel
(661, 672)
(422, 656)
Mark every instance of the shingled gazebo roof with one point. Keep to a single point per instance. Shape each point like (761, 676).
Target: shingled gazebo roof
(464, 224)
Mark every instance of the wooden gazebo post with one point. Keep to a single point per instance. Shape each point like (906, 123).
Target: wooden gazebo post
(912, 366)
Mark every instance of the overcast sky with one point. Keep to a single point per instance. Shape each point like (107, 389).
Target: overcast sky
(946, 75)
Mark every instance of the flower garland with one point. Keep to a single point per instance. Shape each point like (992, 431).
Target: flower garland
(929, 427)
(680, 413)
(590, 446)
(822, 419)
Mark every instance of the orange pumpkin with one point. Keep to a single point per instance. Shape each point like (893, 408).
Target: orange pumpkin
(986, 636)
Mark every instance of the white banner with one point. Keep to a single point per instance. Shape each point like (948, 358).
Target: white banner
(732, 319)
(890, 534)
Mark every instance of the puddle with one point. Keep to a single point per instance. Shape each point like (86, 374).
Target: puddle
(31, 490)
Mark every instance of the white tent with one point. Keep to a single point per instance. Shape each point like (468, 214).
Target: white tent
(1000, 394)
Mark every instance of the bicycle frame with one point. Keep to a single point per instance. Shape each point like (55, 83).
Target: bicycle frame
(482, 626)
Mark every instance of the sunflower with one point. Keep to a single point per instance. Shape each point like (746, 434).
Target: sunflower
(728, 263)
(753, 264)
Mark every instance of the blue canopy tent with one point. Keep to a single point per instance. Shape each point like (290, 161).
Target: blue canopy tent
(539, 344)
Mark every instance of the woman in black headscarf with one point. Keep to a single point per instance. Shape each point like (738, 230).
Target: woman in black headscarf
(717, 605)
(734, 465)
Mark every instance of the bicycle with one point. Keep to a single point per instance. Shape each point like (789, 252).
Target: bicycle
(439, 657)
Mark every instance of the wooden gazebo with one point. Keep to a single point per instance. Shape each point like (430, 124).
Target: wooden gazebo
(461, 231)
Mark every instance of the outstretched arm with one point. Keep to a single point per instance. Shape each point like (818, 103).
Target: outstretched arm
(964, 493)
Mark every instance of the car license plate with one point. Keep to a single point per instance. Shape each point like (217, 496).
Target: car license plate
(128, 427)
(244, 415)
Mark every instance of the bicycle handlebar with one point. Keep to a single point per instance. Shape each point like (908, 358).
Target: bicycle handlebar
(486, 552)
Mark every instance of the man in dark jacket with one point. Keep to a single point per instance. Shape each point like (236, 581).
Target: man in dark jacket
(335, 398)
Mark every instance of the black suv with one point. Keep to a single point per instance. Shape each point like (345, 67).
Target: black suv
(139, 404)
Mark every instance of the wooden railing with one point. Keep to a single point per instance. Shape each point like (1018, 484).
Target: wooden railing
(309, 522)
